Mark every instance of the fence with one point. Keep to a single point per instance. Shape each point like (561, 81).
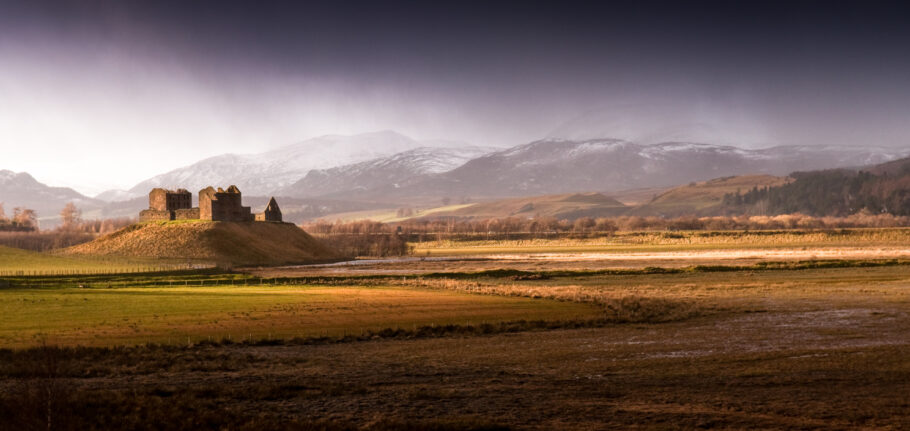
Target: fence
(116, 270)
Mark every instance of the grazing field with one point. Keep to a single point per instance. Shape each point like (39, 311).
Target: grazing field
(784, 346)
(23, 262)
(627, 250)
(101, 316)
(722, 330)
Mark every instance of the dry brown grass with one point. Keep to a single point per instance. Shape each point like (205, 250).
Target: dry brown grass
(809, 348)
(224, 243)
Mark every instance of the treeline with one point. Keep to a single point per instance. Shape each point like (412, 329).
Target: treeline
(23, 220)
(73, 231)
(361, 238)
(519, 228)
(829, 193)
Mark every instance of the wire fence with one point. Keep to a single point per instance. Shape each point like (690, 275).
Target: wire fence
(112, 270)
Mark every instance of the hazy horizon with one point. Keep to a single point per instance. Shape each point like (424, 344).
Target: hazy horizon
(104, 94)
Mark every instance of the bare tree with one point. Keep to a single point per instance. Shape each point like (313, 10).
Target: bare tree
(70, 215)
(24, 217)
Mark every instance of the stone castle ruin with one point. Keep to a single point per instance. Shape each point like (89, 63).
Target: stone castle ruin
(216, 205)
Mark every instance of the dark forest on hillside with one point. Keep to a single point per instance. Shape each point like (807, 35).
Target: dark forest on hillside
(832, 193)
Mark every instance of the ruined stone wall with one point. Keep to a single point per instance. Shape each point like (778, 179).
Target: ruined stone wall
(271, 213)
(228, 210)
(187, 214)
(206, 197)
(155, 215)
(223, 205)
(158, 199)
(181, 199)
(168, 200)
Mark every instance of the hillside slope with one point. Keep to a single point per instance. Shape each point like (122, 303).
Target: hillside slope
(705, 198)
(610, 165)
(19, 189)
(385, 171)
(569, 206)
(225, 243)
(880, 189)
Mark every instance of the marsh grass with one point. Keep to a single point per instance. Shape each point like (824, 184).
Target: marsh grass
(676, 241)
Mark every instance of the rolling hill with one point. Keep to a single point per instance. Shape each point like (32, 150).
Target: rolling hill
(880, 189)
(567, 206)
(703, 198)
(19, 189)
(224, 243)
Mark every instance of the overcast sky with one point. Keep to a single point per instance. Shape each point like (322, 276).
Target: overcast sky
(103, 94)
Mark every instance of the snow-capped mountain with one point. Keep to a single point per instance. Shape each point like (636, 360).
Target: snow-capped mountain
(566, 166)
(385, 171)
(264, 173)
(19, 189)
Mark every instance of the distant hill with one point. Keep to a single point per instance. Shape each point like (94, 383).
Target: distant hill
(19, 189)
(703, 198)
(568, 206)
(558, 166)
(883, 188)
(225, 243)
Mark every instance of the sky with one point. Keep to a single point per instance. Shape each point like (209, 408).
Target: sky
(99, 94)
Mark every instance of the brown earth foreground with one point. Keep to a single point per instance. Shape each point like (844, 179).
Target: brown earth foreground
(821, 370)
(819, 349)
(223, 243)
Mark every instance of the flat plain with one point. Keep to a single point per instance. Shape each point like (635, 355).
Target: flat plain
(99, 316)
(755, 342)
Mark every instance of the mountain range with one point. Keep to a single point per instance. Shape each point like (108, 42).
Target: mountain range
(267, 172)
(19, 189)
(387, 169)
(555, 166)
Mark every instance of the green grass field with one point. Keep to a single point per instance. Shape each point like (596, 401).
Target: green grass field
(815, 344)
(14, 262)
(177, 315)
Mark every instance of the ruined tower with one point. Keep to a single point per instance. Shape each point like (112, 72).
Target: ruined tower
(222, 205)
(167, 204)
(271, 213)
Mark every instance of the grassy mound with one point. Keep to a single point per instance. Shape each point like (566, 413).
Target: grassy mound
(224, 243)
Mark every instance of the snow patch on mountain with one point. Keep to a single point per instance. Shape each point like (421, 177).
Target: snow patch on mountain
(384, 171)
(261, 174)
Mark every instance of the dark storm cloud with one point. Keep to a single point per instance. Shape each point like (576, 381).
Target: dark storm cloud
(476, 43)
